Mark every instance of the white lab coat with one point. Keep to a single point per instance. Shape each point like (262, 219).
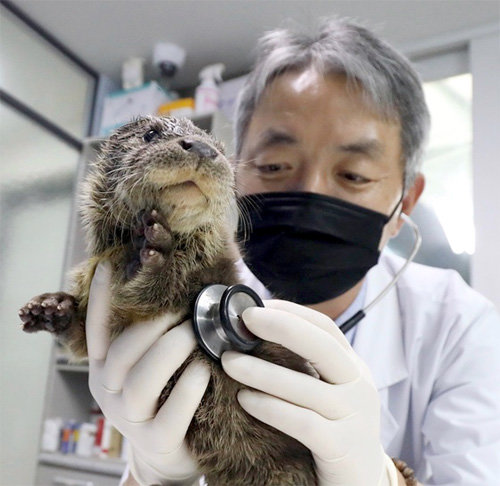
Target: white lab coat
(433, 347)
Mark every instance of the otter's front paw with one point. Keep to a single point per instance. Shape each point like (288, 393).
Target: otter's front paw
(51, 312)
(152, 242)
(153, 231)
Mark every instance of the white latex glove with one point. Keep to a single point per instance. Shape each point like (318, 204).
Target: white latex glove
(337, 416)
(126, 377)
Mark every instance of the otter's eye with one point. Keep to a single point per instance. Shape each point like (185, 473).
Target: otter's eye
(150, 135)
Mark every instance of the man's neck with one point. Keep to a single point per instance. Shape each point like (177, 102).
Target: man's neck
(333, 308)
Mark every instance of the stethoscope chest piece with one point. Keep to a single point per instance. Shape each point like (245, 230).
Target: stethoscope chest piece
(217, 321)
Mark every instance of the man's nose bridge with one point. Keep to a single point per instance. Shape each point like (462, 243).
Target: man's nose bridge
(315, 180)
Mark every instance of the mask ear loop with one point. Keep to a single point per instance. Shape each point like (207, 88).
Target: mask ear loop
(397, 205)
(349, 324)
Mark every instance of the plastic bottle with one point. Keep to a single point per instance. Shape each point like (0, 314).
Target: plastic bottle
(51, 434)
(207, 93)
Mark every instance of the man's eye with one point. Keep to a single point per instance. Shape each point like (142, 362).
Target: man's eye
(356, 178)
(150, 135)
(270, 168)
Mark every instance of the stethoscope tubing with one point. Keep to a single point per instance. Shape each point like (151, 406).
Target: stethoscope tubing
(217, 323)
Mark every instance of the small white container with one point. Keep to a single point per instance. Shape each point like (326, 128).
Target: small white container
(85, 444)
(51, 434)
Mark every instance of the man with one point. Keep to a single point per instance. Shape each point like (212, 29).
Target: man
(329, 133)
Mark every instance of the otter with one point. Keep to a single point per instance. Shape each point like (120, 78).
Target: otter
(155, 206)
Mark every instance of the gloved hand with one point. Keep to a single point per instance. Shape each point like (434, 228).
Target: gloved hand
(126, 377)
(336, 416)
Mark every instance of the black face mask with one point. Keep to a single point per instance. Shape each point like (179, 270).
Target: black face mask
(307, 247)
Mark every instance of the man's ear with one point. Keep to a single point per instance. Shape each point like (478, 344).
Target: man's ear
(412, 196)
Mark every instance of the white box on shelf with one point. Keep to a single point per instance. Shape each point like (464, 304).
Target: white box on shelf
(121, 107)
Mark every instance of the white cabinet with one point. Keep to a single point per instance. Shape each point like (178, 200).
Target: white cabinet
(50, 475)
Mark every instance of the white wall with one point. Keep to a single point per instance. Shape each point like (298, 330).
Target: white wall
(33, 227)
(36, 171)
(31, 264)
(485, 67)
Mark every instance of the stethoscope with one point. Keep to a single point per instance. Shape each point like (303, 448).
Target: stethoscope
(217, 321)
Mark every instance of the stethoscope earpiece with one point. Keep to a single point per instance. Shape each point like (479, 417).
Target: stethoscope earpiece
(217, 321)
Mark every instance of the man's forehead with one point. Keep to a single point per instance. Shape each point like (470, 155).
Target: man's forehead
(311, 82)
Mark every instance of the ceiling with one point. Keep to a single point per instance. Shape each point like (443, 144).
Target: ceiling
(103, 33)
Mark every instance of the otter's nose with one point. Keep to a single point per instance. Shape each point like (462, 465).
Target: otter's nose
(199, 148)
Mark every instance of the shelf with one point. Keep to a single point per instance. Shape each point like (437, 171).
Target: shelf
(83, 368)
(64, 363)
(113, 467)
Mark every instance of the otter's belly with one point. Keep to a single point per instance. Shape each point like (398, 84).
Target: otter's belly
(233, 448)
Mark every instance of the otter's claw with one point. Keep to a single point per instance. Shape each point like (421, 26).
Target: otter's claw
(51, 312)
(151, 257)
(153, 232)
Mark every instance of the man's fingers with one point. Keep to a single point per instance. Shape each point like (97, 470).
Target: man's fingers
(313, 316)
(332, 402)
(177, 412)
(146, 380)
(302, 424)
(96, 326)
(332, 361)
(129, 347)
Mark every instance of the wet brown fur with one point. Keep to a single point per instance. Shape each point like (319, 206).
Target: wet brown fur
(130, 176)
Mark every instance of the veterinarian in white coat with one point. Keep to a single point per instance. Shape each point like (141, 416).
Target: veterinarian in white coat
(430, 346)
(420, 380)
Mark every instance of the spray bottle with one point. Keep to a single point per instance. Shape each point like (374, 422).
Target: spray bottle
(207, 93)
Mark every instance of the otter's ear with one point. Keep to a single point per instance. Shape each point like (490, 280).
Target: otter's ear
(113, 141)
(114, 146)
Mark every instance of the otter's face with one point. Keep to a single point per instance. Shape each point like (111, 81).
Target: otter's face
(170, 165)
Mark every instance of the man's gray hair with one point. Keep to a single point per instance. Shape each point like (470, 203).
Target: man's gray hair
(387, 79)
